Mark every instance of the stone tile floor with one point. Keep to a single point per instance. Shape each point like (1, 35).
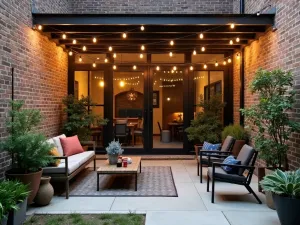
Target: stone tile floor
(233, 205)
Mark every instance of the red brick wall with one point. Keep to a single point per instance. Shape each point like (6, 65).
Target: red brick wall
(279, 49)
(40, 69)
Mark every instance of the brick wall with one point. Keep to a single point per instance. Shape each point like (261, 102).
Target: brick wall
(279, 49)
(51, 6)
(40, 69)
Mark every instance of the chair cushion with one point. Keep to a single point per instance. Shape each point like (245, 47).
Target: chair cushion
(54, 152)
(227, 144)
(71, 145)
(57, 143)
(221, 174)
(245, 156)
(209, 146)
(212, 159)
(230, 160)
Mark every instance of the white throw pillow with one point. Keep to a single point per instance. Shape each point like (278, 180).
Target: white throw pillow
(58, 144)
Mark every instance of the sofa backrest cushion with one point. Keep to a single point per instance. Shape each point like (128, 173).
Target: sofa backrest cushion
(58, 144)
(71, 145)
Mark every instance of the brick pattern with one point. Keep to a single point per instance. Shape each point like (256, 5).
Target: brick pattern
(51, 6)
(279, 49)
(40, 69)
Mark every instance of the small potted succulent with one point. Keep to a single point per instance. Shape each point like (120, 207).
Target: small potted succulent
(113, 150)
(285, 189)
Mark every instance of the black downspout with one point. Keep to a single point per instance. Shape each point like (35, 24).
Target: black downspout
(242, 89)
(242, 6)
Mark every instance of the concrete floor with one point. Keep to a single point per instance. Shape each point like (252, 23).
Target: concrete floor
(233, 205)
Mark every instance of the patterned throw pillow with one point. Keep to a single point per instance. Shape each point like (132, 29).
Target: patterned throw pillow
(231, 160)
(208, 146)
(54, 152)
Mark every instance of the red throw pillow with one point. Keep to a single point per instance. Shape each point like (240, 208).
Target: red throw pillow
(71, 145)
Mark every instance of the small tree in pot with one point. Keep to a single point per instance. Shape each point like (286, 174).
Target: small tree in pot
(239, 134)
(285, 187)
(113, 150)
(29, 150)
(207, 124)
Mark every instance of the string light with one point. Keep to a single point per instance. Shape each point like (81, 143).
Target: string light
(191, 68)
(84, 48)
(168, 99)
(238, 55)
(205, 66)
(94, 40)
(157, 68)
(40, 27)
(203, 49)
(106, 60)
(224, 63)
(64, 36)
(232, 26)
(231, 42)
(194, 52)
(101, 83)
(124, 35)
(171, 42)
(172, 71)
(110, 48)
(142, 47)
(80, 59)
(70, 53)
(201, 36)
(237, 39)
(174, 68)
(74, 42)
(115, 55)
(141, 56)
(170, 54)
(142, 28)
(114, 67)
(94, 64)
(216, 64)
(229, 60)
(134, 67)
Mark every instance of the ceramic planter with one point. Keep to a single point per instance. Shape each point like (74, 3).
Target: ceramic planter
(30, 179)
(287, 209)
(113, 159)
(45, 192)
(17, 217)
(269, 198)
(4, 221)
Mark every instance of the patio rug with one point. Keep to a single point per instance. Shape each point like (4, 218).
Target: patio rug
(154, 181)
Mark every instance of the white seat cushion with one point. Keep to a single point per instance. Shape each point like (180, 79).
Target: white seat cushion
(58, 144)
(81, 158)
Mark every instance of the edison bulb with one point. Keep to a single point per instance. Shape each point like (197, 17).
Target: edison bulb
(229, 60)
(134, 67)
(74, 42)
(157, 68)
(141, 56)
(114, 67)
(224, 63)
(201, 36)
(191, 68)
(205, 66)
(237, 39)
(70, 53)
(231, 42)
(94, 40)
(194, 52)
(80, 59)
(110, 48)
(94, 65)
(232, 25)
(124, 35)
(40, 27)
(84, 48)
(142, 47)
(172, 42)
(203, 49)
(216, 64)
(174, 68)
(106, 60)
(115, 55)
(142, 28)
(170, 54)
(64, 36)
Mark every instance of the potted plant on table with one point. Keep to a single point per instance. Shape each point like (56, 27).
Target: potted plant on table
(113, 150)
(28, 149)
(207, 125)
(79, 118)
(270, 120)
(239, 134)
(285, 188)
(13, 202)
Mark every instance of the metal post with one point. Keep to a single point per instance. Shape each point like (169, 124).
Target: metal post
(242, 6)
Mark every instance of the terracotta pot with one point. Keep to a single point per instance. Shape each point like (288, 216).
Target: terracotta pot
(238, 144)
(30, 179)
(113, 159)
(45, 192)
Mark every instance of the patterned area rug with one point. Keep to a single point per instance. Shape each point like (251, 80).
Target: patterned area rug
(153, 181)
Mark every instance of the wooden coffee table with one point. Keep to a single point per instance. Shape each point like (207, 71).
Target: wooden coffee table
(132, 168)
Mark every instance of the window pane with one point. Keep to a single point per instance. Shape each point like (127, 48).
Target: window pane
(201, 87)
(97, 129)
(97, 87)
(81, 84)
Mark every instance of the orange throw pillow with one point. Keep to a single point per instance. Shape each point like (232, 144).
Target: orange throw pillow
(54, 152)
(71, 145)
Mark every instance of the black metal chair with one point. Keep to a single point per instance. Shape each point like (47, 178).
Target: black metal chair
(247, 156)
(206, 157)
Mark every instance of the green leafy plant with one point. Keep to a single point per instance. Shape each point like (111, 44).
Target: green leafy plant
(79, 118)
(207, 124)
(114, 148)
(269, 118)
(29, 149)
(11, 194)
(236, 131)
(283, 183)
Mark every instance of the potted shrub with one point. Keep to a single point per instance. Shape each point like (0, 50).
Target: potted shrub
(113, 150)
(29, 149)
(240, 135)
(79, 118)
(207, 125)
(285, 188)
(13, 195)
(270, 120)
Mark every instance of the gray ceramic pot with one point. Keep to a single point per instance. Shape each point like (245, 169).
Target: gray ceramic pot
(4, 221)
(113, 159)
(17, 217)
